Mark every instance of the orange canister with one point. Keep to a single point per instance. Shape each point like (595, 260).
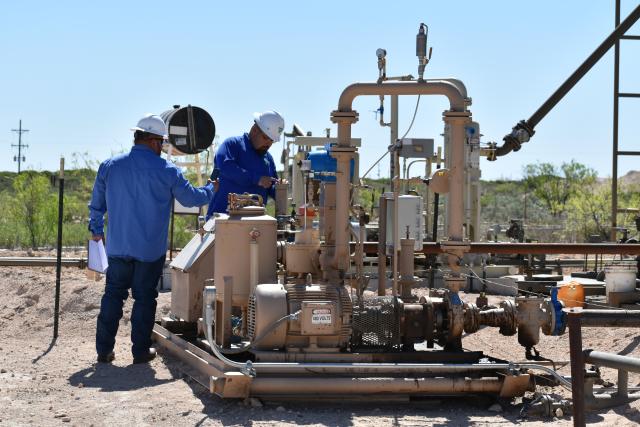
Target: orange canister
(571, 294)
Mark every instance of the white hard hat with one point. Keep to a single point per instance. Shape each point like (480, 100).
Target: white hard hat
(152, 123)
(271, 123)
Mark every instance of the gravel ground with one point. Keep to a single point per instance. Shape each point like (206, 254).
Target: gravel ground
(44, 384)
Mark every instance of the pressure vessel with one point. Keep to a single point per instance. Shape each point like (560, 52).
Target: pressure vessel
(571, 294)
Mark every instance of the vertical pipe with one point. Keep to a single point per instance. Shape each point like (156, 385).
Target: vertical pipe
(396, 220)
(253, 262)
(427, 205)
(623, 384)
(343, 153)
(281, 199)
(395, 173)
(436, 201)
(343, 184)
(455, 198)
(56, 309)
(577, 367)
(616, 98)
(382, 245)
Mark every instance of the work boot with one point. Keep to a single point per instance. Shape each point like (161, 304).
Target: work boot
(145, 358)
(106, 358)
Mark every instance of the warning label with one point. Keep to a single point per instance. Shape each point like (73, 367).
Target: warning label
(321, 316)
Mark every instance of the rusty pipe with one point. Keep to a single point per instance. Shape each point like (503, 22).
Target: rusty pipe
(323, 386)
(606, 318)
(577, 368)
(41, 262)
(530, 248)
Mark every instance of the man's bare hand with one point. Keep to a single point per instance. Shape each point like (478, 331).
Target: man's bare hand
(97, 237)
(265, 182)
(216, 184)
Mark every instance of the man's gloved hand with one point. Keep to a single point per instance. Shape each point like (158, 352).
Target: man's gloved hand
(265, 182)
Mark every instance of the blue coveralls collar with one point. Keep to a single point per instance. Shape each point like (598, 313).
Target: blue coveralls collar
(142, 147)
(248, 143)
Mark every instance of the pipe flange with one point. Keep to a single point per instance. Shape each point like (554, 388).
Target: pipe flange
(455, 315)
(510, 325)
(471, 318)
(549, 324)
(344, 116)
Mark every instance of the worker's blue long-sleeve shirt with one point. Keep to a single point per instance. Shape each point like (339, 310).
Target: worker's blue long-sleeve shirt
(240, 167)
(137, 189)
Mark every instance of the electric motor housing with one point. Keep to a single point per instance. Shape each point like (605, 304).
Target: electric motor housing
(323, 323)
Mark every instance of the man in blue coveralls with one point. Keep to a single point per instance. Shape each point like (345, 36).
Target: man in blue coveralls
(243, 163)
(136, 189)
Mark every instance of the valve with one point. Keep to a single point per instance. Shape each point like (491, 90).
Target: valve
(421, 50)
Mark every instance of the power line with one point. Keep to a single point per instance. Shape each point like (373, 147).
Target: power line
(20, 158)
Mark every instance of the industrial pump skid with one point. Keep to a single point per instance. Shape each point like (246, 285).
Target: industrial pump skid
(278, 306)
(280, 311)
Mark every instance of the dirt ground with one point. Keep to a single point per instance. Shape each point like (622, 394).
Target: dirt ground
(44, 384)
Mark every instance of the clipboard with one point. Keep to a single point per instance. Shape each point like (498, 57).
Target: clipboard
(97, 257)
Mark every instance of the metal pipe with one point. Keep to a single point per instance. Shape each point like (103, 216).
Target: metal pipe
(396, 213)
(41, 262)
(584, 68)
(342, 386)
(382, 250)
(282, 201)
(525, 130)
(616, 100)
(345, 117)
(577, 367)
(455, 197)
(382, 368)
(451, 88)
(607, 318)
(531, 248)
(253, 263)
(407, 172)
(611, 360)
(395, 183)
(56, 310)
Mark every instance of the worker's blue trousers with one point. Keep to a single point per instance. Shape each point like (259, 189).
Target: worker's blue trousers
(126, 273)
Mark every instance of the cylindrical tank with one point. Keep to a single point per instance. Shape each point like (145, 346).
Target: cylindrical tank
(191, 129)
(620, 277)
(571, 294)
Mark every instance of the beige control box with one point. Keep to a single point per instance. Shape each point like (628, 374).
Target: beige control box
(319, 318)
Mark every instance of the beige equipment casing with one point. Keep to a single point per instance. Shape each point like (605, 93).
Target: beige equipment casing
(232, 254)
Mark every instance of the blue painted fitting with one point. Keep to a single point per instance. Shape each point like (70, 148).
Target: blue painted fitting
(561, 320)
(455, 298)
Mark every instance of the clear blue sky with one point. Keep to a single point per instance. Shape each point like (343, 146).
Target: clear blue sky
(80, 74)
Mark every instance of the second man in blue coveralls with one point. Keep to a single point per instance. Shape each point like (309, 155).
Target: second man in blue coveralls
(136, 189)
(243, 163)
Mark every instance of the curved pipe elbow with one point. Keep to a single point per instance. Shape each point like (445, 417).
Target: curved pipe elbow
(453, 89)
(504, 149)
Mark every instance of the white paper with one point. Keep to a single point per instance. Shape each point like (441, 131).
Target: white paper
(97, 256)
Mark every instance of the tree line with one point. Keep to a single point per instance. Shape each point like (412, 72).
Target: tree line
(563, 203)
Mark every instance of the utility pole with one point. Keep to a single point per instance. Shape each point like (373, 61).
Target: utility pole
(20, 158)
